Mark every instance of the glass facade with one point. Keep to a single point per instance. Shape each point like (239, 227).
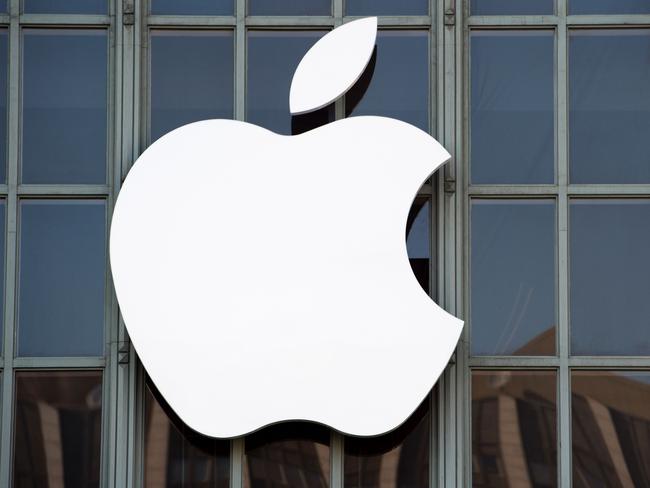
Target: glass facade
(536, 234)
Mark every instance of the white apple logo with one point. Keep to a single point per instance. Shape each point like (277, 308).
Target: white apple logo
(259, 285)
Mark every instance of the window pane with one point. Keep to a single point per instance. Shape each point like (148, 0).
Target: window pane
(192, 7)
(514, 422)
(65, 6)
(289, 7)
(288, 454)
(58, 420)
(609, 101)
(4, 71)
(395, 460)
(512, 97)
(512, 7)
(3, 5)
(610, 277)
(191, 78)
(177, 456)
(383, 88)
(610, 428)
(513, 277)
(418, 240)
(64, 106)
(3, 213)
(609, 6)
(387, 7)
(62, 278)
(272, 58)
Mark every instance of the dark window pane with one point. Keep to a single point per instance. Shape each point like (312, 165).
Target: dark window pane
(609, 6)
(191, 78)
(192, 7)
(288, 454)
(62, 278)
(610, 277)
(512, 97)
(514, 440)
(386, 7)
(399, 459)
(4, 71)
(609, 101)
(3, 5)
(65, 6)
(2, 269)
(64, 106)
(418, 240)
(175, 455)
(272, 58)
(289, 7)
(610, 428)
(58, 429)
(512, 7)
(386, 89)
(513, 277)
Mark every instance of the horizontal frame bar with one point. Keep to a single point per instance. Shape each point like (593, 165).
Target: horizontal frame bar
(58, 190)
(58, 362)
(64, 19)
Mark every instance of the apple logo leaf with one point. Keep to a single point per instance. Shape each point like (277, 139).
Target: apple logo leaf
(332, 65)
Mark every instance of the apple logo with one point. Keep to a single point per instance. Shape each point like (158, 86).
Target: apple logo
(256, 281)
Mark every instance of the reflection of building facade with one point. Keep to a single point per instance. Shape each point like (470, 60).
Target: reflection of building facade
(536, 234)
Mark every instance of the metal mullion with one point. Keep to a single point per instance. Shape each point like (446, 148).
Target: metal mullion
(642, 20)
(610, 362)
(101, 191)
(563, 337)
(515, 190)
(65, 20)
(398, 21)
(513, 20)
(290, 21)
(97, 362)
(191, 20)
(615, 190)
(514, 362)
(10, 246)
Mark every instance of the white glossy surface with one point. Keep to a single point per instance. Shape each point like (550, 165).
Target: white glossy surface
(332, 65)
(260, 283)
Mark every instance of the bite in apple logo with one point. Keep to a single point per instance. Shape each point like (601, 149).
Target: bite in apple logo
(259, 284)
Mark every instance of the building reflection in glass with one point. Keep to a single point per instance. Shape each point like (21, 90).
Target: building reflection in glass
(291, 455)
(610, 428)
(514, 429)
(399, 459)
(57, 429)
(418, 240)
(176, 456)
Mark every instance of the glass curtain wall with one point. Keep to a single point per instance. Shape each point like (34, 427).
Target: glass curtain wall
(558, 214)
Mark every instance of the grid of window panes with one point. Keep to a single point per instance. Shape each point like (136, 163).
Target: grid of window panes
(56, 163)
(235, 59)
(558, 279)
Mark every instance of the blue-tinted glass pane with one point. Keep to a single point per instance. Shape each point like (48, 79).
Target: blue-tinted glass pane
(64, 106)
(512, 132)
(387, 7)
(609, 6)
(57, 429)
(4, 71)
(289, 7)
(272, 58)
(610, 277)
(513, 277)
(394, 460)
(191, 78)
(610, 416)
(180, 457)
(192, 7)
(418, 240)
(514, 429)
(396, 81)
(62, 278)
(2, 269)
(609, 100)
(65, 6)
(3, 5)
(512, 7)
